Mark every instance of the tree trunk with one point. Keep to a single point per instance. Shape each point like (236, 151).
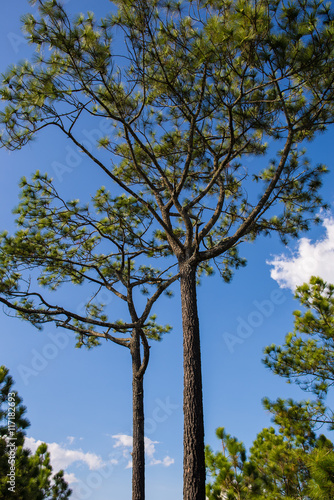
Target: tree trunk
(138, 449)
(193, 435)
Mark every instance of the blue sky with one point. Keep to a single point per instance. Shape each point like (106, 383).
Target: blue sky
(79, 402)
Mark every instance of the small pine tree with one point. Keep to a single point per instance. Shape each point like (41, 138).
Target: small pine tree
(33, 472)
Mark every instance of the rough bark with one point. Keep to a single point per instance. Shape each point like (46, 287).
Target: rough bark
(193, 435)
(138, 449)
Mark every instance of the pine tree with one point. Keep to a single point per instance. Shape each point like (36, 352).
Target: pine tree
(291, 462)
(68, 242)
(306, 357)
(321, 467)
(33, 472)
(232, 476)
(201, 87)
(281, 465)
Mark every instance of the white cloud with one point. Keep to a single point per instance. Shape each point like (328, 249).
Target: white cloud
(166, 462)
(70, 439)
(310, 259)
(149, 447)
(61, 457)
(122, 440)
(70, 478)
(125, 441)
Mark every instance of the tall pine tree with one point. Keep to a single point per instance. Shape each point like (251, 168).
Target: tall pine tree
(68, 242)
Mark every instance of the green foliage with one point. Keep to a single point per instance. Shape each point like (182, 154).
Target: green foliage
(231, 475)
(306, 357)
(280, 461)
(280, 466)
(71, 243)
(293, 462)
(21, 423)
(33, 472)
(321, 466)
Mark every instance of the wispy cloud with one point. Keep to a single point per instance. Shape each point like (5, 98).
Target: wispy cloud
(125, 442)
(166, 462)
(61, 457)
(309, 259)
